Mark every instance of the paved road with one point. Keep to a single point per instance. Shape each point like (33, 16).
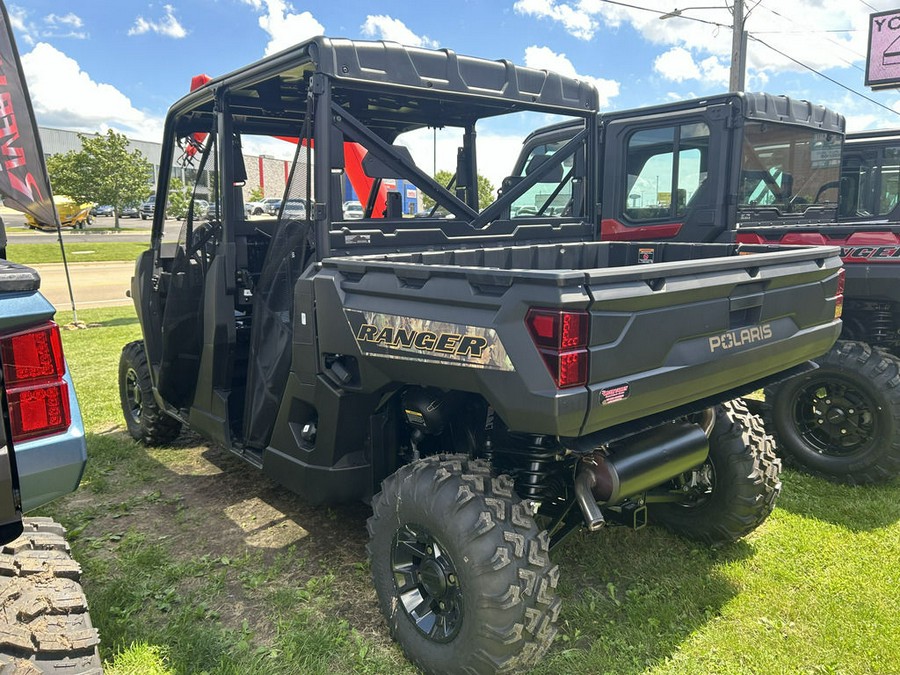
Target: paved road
(101, 284)
(132, 230)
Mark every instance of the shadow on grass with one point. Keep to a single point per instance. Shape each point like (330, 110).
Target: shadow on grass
(190, 549)
(110, 323)
(631, 598)
(856, 507)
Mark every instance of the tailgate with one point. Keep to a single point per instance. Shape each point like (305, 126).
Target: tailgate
(660, 341)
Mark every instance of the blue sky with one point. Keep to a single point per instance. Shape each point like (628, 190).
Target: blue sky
(91, 65)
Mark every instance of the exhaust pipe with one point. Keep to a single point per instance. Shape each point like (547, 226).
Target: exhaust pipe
(648, 460)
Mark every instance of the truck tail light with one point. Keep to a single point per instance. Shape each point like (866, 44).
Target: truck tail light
(33, 370)
(839, 297)
(562, 338)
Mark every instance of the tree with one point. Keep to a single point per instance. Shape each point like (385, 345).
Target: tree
(485, 190)
(103, 171)
(256, 195)
(179, 199)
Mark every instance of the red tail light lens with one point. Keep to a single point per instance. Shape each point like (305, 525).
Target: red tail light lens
(839, 299)
(562, 338)
(38, 411)
(556, 329)
(32, 355)
(33, 370)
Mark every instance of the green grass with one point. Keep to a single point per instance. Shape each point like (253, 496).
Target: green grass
(37, 254)
(815, 590)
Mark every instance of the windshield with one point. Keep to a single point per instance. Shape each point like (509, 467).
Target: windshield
(788, 168)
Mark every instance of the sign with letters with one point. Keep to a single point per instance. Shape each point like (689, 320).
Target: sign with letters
(883, 57)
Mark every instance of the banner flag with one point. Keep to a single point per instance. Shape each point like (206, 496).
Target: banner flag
(24, 184)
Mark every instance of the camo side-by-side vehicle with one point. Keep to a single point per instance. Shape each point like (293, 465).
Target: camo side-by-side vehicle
(489, 383)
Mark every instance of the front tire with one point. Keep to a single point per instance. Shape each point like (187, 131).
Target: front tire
(462, 572)
(841, 421)
(145, 420)
(735, 490)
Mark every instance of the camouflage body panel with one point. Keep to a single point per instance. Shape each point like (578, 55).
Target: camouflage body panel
(407, 338)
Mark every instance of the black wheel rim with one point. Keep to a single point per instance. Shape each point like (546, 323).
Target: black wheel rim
(133, 395)
(834, 417)
(427, 583)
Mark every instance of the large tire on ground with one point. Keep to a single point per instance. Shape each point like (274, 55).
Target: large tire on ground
(841, 421)
(145, 421)
(44, 622)
(735, 490)
(462, 572)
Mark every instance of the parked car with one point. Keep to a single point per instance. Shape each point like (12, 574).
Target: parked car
(129, 211)
(103, 210)
(295, 209)
(272, 205)
(269, 205)
(212, 211)
(147, 207)
(353, 210)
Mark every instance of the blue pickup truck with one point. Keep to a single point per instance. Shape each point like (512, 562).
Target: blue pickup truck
(42, 457)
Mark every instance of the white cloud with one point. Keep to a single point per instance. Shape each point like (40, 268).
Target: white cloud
(802, 29)
(544, 58)
(285, 27)
(65, 96)
(65, 26)
(70, 19)
(678, 65)
(575, 20)
(168, 25)
(386, 28)
(18, 19)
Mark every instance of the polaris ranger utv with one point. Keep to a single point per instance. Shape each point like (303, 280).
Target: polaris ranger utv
(763, 169)
(489, 383)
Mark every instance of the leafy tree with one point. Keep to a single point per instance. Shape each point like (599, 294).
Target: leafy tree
(256, 195)
(103, 171)
(179, 199)
(485, 190)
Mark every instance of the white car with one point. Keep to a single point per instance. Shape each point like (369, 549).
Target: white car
(295, 209)
(353, 210)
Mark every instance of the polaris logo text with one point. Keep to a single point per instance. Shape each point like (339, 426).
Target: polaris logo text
(471, 346)
(740, 337)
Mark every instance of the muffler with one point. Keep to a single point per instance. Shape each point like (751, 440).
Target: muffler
(645, 461)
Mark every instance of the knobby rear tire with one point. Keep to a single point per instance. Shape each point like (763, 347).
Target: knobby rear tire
(497, 606)
(44, 622)
(745, 482)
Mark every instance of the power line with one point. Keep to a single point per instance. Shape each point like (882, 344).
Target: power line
(822, 75)
(868, 5)
(661, 13)
(838, 44)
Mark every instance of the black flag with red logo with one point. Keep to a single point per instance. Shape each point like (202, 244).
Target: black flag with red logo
(24, 184)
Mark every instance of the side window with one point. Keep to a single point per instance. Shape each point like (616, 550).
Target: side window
(553, 194)
(665, 169)
(890, 180)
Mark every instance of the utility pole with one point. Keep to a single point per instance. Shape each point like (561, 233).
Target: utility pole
(738, 48)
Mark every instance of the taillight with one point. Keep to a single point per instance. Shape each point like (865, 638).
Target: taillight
(562, 338)
(839, 298)
(33, 369)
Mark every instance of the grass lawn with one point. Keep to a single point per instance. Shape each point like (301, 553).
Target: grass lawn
(37, 254)
(194, 563)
